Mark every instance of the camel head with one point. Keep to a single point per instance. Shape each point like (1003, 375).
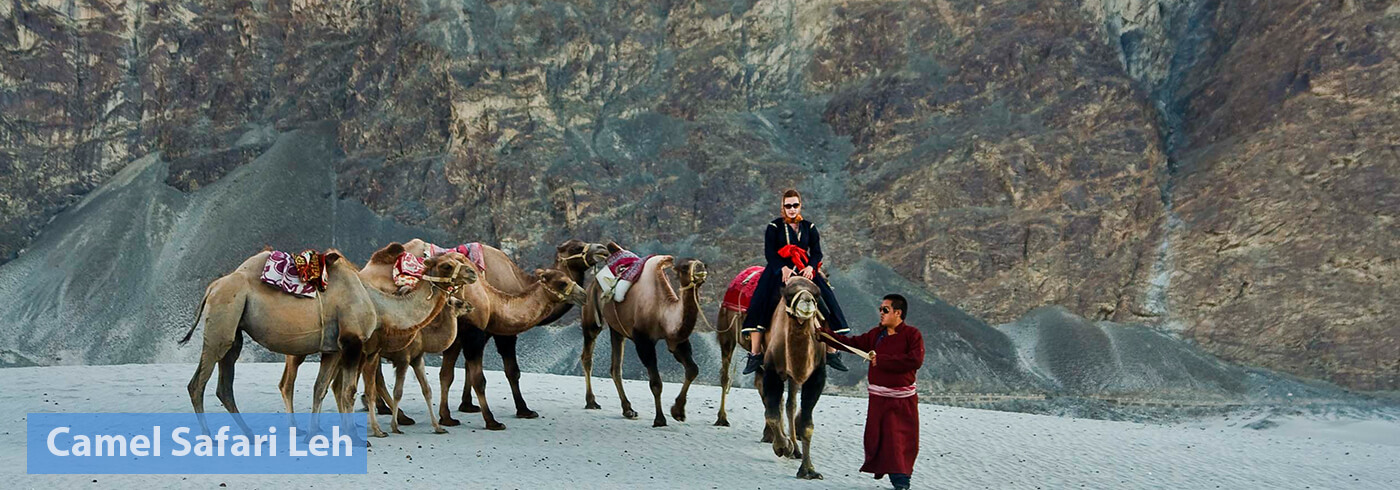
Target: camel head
(559, 284)
(800, 297)
(691, 273)
(449, 271)
(574, 252)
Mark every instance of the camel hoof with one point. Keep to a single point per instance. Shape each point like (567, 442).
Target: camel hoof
(449, 421)
(629, 413)
(808, 474)
(495, 426)
(383, 411)
(396, 431)
(439, 430)
(468, 408)
(659, 422)
(405, 420)
(796, 454)
(379, 433)
(721, 423)
(678, 413)
(592, 406)
(527, 414)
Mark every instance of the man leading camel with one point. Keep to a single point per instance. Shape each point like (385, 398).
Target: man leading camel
(892, 423)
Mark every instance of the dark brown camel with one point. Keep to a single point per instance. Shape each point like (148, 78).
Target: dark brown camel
(794, 357)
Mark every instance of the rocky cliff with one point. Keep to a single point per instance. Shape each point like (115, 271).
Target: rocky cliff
(1219, 167)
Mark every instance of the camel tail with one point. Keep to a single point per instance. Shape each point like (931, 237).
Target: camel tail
(197, 314)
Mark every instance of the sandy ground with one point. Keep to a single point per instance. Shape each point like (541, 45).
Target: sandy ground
(569, 447)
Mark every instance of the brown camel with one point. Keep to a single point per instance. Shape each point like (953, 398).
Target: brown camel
(652, 311)
(573, 258)
(240, 302)
(794, 357)
(727, 330)
(377, 274)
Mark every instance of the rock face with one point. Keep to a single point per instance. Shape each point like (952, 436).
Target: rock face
(999, 155)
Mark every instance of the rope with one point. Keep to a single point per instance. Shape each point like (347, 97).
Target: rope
(853, 350)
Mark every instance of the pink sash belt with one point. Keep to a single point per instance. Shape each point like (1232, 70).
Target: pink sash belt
(887, 392)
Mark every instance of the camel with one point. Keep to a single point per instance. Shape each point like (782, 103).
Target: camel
(496, 311)
(652, 311)
(794, 357)
(377, 275)
(240, 302)
(730, 323)
(573, 258)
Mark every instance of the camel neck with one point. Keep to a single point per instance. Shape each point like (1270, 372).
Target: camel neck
(516, 313)
(408, 313)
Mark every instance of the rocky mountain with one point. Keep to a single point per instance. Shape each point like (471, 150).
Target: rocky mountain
(1219, 168)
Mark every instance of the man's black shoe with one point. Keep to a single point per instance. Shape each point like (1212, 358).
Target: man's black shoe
(833, 359)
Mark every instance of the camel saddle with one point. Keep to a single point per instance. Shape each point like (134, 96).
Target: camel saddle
(303, 274)
(740, 291)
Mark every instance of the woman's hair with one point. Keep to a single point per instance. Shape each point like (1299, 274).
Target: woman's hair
(792, 193)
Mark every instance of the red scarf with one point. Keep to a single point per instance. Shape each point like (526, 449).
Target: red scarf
(796, 254)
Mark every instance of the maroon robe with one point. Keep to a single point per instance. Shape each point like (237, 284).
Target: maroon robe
(892, 424)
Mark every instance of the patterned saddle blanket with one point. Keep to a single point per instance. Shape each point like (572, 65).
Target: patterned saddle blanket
(740, 291)
(303, 274)
(471, 250)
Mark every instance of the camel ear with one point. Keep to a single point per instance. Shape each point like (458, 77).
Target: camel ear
(539, 273)
(331, 257)
(613, 247)
(666, 261)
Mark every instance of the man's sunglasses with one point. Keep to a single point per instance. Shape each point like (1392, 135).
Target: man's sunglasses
(885, 310)
(793, 205)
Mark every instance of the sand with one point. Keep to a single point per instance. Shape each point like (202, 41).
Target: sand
(569, 447)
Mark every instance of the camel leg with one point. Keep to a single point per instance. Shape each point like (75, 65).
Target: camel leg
(287, 385)
(791, 407)
(220, 329)
(397, 397)
(727, 342)
(225, 390)
(445, 374)
(646, 349)
(686, 357)
(349, 364)
(476, 375)
(383, 407)
(773, 410)
(758, 386)
(470, 337)
(811, 391)
(420, 372)
(590, 338)
(618, 343)
(369, 368)
(505, 346)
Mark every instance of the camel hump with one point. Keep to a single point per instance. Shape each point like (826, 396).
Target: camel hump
(387, 255)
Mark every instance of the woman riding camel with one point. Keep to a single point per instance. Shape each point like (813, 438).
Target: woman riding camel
(792, 246)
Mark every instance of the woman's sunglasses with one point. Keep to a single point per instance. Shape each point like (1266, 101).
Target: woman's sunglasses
(792, 206)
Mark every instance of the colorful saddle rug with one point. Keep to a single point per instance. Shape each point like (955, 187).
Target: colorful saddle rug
(303, 274)
(740, 291)
(408, 270)
(626, 266)
(471, 250)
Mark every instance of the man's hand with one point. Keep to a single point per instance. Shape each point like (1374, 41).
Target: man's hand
(787, 273)
(872, 358)
(807, 272)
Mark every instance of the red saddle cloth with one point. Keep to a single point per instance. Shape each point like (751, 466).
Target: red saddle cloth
(740, 291)
(302, 274)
